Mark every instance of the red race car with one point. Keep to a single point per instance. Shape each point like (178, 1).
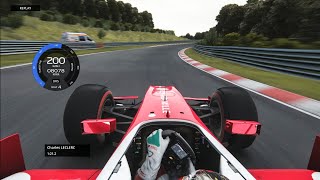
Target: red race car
(201, 131)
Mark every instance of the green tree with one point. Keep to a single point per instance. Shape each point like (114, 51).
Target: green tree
(85, 22)
(252, 1)
(101, 34)
(46, 17)
(170, 32)
(98, 24)
(64, 6)
(121, 8)
(46, 4)
(4, 7)
(134, 16)
(249, 38)
(77, 7)
(127, 26)
(211, 37)
(13, 20)
(231, 39)
(252, 17)
(114, 10)
(199, 35)
(188, 36)
(90, 8)
(70, 19)
(282, 19)
(309, 26)
(103, 9)
(147, 19)
(115, 26)
(229, 19)
(139, 19)
(127, 14)
(136, 27)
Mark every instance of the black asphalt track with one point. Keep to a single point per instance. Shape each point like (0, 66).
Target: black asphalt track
(36, 114)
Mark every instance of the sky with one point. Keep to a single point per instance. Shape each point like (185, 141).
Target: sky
(183, 16)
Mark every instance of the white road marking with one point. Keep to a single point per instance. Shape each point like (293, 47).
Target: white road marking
(193, 62)
(219, 72)
(18, 65)
(254, 85)
(308, 104)
(202, 66)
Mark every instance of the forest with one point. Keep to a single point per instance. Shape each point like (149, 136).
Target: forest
(109, 15)
(266, 23)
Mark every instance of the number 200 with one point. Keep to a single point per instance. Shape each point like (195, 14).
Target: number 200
(56, 60)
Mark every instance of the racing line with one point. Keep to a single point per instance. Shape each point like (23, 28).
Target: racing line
(285, 141)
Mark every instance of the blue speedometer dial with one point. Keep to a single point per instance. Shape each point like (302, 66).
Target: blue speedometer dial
(55, 67)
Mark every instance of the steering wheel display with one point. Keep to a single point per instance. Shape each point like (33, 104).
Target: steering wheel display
(178, 155)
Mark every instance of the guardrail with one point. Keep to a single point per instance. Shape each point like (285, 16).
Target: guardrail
(295, 61)
(20, 47)
(143, 43)
(8, 47)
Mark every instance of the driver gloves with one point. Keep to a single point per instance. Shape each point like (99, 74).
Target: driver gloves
(156, 148)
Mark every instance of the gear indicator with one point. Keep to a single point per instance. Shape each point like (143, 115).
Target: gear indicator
(55, 67)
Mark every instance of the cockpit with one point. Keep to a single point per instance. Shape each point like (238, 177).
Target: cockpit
(190, 145)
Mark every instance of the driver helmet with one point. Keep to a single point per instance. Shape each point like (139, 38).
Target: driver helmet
(204, 175)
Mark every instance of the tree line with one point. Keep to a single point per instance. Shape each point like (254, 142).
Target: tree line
(123, 15)
(267, 20)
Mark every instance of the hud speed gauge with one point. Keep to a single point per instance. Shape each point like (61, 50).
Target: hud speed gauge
(55, 67)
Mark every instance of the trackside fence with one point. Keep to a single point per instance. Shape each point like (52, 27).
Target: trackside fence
(143, 43)
(295, 61)
(8, 47)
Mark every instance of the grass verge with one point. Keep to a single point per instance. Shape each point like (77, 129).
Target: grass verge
(35, 29)
(299, 85)
(8, 60)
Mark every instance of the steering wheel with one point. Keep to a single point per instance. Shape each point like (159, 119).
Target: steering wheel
(176, 159)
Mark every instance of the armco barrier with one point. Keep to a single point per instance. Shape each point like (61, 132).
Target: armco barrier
(143, 43)
(295, 61)
(19, 47)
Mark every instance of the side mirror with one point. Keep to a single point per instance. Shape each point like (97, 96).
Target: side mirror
(98, 126)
